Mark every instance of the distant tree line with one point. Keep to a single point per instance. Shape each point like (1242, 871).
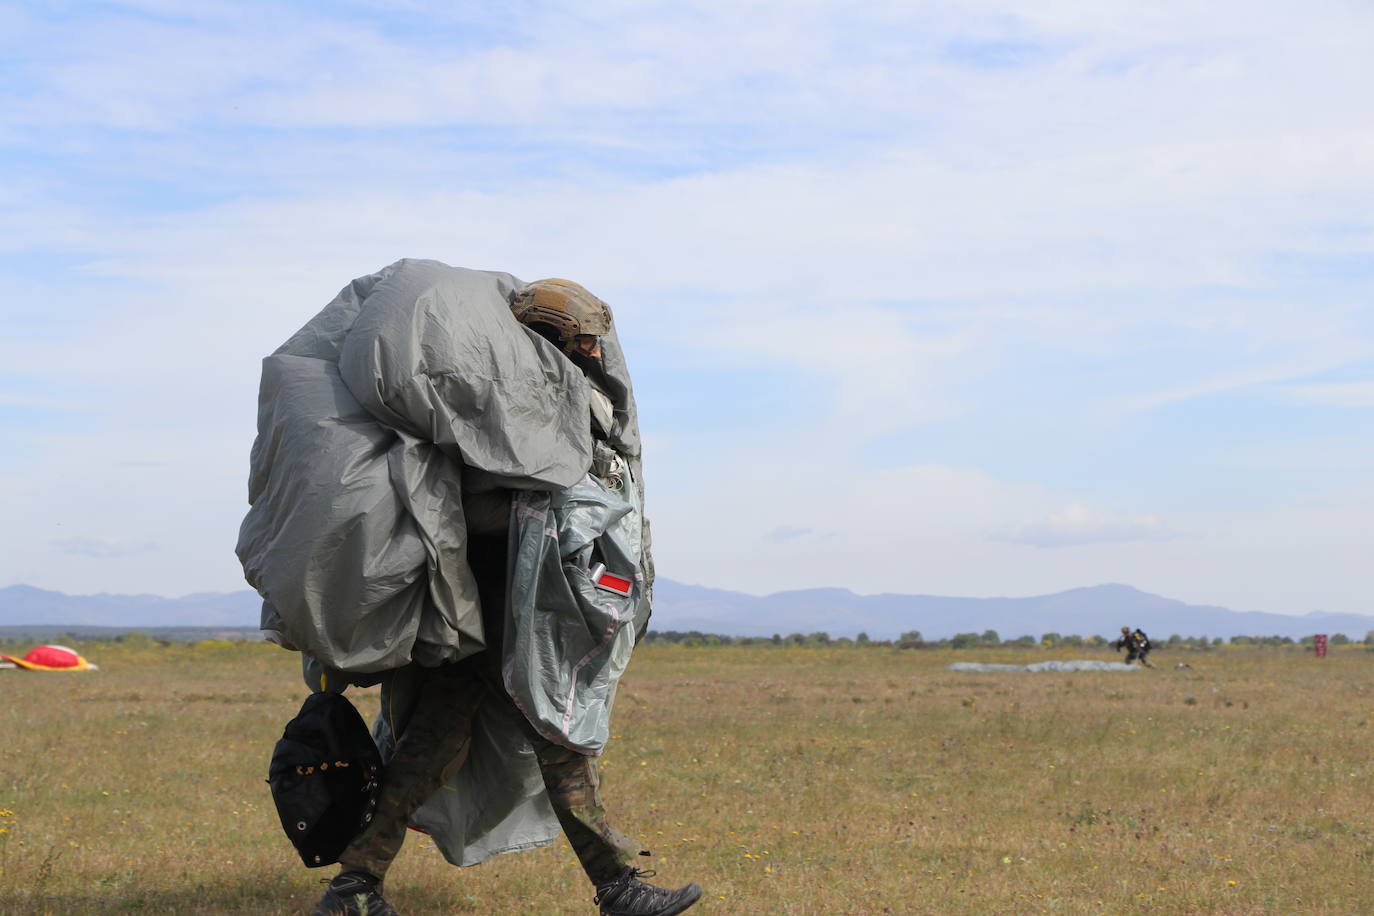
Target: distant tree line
(912, 639)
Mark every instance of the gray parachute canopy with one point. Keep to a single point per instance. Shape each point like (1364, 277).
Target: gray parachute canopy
(413, 386)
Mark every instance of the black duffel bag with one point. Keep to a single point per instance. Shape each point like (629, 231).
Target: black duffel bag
(325, 773)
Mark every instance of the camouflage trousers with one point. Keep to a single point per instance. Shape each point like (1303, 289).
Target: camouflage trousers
(433, 746)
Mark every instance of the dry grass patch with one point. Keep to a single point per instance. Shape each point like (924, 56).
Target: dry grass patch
(784, 780)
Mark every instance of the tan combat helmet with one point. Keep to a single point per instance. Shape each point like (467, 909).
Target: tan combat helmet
(566, 307)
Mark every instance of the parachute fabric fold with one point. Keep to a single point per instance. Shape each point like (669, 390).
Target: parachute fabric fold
(567, 640)
(369, 420)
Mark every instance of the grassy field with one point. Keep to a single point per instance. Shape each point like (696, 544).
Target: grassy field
(784, 780)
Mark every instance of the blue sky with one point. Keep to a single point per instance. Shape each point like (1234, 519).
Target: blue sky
(953, 299)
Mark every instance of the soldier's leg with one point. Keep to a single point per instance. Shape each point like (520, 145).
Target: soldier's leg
(573, 781)
(433, 745)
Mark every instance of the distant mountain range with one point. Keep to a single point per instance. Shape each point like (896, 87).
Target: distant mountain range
(1100, 609)
(26, 605)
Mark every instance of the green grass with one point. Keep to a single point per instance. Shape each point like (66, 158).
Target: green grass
(784, 780)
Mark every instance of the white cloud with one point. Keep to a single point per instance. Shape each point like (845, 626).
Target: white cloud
(786, 533)
(943, 531)
(1334, 394)
(926, 228)
(38, 402)
(1314, 355)
(102, 549)
(1077, 524)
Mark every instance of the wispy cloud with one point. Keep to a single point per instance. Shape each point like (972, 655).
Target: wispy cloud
(39, 402)
(785, 533)
(1077, 524)
(940, 239)
(100, 549)
(1321, 355)
(1334, 394)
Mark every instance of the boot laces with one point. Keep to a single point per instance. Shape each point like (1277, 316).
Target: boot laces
(627, 890)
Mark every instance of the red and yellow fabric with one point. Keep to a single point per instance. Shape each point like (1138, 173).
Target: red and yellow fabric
(51, 658)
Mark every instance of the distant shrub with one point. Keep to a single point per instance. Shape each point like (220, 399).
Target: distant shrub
(911, 639)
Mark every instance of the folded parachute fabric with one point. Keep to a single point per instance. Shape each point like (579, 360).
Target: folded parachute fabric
(413, 387)
(50, 658)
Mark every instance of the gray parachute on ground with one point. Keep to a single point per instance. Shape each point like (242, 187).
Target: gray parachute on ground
(414, 388)
(1081, 664)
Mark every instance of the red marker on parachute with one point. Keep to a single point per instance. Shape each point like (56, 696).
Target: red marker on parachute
(608, 581)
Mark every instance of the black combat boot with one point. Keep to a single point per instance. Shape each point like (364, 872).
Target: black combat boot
(354, 893)
(626, 895)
